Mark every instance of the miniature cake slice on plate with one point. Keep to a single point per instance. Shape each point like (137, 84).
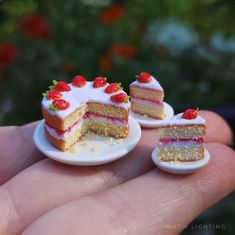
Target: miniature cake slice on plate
(70, 110)
(147, 96)
(182, 137)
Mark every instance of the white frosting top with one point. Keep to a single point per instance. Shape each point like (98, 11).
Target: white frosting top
(178, 120)
(154, 84)
(78, 97)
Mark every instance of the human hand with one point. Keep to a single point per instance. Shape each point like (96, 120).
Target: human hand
(128, 196)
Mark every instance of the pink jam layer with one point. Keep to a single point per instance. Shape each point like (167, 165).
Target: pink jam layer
(88, 115)
(170, 141)
(61, 132)
(158, 102)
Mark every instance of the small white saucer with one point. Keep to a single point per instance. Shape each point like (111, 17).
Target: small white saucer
(92, 149)
(149, 122)
(180, 167)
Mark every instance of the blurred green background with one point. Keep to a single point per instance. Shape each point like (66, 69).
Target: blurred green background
(188, 45)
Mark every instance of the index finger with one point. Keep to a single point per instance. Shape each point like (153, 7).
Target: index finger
(17, 150)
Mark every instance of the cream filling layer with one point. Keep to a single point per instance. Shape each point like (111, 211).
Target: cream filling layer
(82, 124)
(180, 144)
(146, 102)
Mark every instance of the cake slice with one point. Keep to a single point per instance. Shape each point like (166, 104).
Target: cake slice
(182, 137)
(70, 110)
(147, 96)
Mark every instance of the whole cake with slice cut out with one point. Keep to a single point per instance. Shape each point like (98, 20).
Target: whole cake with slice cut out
(70, 110)
(147, 96)
(182, 137)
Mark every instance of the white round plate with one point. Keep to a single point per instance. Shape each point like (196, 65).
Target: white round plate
(180, 167)
(149, 122)
(92, 149)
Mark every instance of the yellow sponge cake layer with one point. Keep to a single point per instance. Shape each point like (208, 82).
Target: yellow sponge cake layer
(182, 132)
(64, 124)
(146, 93)
(181, 154)
(107, 110)
(155, 111)
(107, 129)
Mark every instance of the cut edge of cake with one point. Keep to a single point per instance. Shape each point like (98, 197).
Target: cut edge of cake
(182, 139)
(107, 115)
(147, 96)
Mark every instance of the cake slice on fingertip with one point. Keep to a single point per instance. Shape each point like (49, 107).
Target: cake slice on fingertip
(147, 96)
(182, 137)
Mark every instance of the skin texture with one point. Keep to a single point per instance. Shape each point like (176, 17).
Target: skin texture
(52, 198)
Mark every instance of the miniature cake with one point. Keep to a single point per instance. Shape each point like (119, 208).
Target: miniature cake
(70, 110)
(181, 137)
(147, 96)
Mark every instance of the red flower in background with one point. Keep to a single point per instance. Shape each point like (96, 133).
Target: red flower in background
(67, 67)
(112, 14)
(161, 51)
(7, 55)
(105, 62)
(123, 50)
(35, 26)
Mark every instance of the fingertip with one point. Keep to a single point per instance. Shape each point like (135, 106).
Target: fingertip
(218, 129)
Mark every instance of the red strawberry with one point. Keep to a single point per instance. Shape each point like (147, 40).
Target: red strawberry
(53, 95)
(190, 114)
(62, 86)
(59, 104)
(120, 98)
(113, 87)
(99, 82)
(79, 81)
(144, 77)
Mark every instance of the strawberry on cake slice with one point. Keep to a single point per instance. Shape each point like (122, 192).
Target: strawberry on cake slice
(147, 96)
(70, 110)
(182, 137)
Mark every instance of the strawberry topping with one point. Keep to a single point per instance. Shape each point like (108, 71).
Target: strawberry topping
(144, 77)
(120, 98)
(62, 86)
(190, 114)
(59, 104)
(79, 81)
(113, 87)
(53, 95)
(99, 82)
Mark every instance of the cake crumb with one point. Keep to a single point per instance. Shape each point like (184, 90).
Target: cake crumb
(113, 141)
(110, 141)
(88, 136)
(74, 149)
(119, 141)
(84, 143)
(96, 148)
